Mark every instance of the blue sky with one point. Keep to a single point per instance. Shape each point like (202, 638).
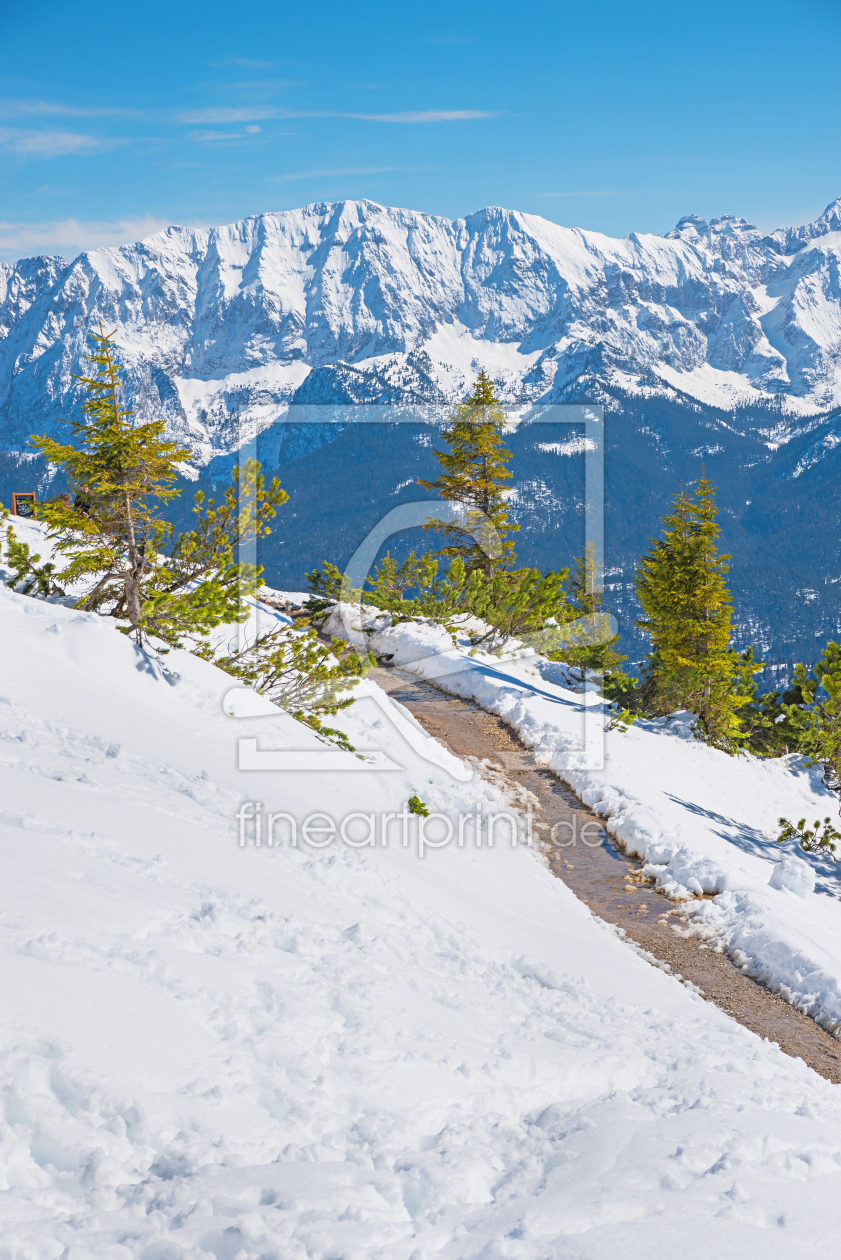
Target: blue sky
(117, 120)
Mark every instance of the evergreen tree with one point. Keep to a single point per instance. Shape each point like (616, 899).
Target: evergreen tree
(765, 719)
(473, 471)
(513, 603)
(520, 604)
(587, 600)
(481, 581)
(122, 472)
(681, 585)
(816, 714)
(812, 714)
(114, 537)
(598, 658)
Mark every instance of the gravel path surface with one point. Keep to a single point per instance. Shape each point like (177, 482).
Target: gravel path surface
(611, 884)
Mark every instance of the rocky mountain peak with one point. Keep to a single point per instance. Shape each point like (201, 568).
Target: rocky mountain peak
(223, 323)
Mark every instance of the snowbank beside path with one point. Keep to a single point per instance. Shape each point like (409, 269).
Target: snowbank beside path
(215, 1050)
(704, 822)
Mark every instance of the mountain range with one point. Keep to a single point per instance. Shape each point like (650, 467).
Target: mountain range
(716, 343)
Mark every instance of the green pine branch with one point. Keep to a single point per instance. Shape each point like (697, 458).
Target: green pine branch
(473, 472)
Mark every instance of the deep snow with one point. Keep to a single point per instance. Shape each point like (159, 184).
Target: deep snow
(706, 823)
(237, 1052)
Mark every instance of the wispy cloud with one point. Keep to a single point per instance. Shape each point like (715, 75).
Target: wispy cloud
(69, 237)
(339, 170)
(211, 136)
(599, 193)
(232, 114)
(255, 90)
(245, 62)
(426, 115)
(56, 109)
(50, 190)
(47, 144)
(237, 114)
(255, 85)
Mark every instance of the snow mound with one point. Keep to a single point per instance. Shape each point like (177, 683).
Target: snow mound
(795, 875)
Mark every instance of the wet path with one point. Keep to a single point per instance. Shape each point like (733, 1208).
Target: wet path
(608, 882)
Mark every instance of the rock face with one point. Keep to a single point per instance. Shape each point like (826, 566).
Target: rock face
(714, 343)
(224, 327)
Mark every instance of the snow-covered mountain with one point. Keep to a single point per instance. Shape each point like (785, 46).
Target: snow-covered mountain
(716, 342)
(356, 300)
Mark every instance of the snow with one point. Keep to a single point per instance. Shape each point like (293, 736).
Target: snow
(795, 875)
(198, 393)
(575, 445)
(218, 327)
(220, 1050)
(458, 354)
(706, 823)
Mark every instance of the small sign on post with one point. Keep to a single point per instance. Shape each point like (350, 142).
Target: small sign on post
(24, 505)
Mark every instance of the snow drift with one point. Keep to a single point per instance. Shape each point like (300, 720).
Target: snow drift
(215, 1050)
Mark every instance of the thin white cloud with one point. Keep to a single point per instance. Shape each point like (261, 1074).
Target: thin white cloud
(254, 85)
(244, 61)
(339, 170)
(210, 136)
(228, 114)
(242, 114)
(49, 144)
(68, 237)
(54, 109)
(599, 193)
(426, 115)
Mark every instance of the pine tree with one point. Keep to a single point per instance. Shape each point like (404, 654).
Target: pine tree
(599, 658)
(122, 472)
(473, 472)
(587, 600)
(481, 581)
(27, 575)
(681, 585)
(815, 714)
(114, 536)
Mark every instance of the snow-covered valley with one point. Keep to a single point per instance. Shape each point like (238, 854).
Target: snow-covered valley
(217, 1049)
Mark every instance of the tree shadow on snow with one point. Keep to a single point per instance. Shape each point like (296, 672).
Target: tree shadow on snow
(752, 840)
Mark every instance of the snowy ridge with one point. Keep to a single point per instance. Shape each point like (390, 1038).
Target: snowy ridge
(222, 328)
